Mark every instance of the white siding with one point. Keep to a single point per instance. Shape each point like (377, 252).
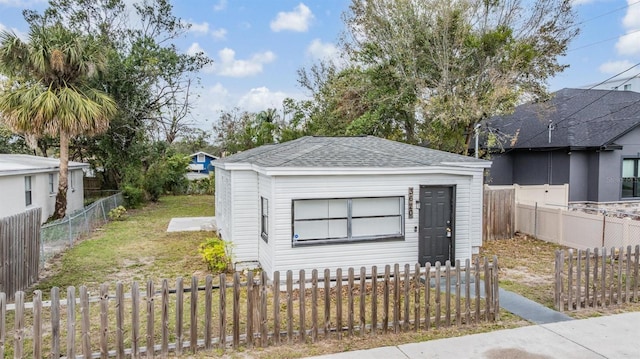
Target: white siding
(12, 188)
(287, 188)
(75, 194)
(223, 204)
(266, 248)
(245, 215)
(475, 202)
(12, 191)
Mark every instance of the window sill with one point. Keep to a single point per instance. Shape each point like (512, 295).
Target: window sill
(318, 242)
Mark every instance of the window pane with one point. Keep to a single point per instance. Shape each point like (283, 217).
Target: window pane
(628, 169)
(627, 187)
(317, 209)
(362, 207)
(380, 226)
(308, 230)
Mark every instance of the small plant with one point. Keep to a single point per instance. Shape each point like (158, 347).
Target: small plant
(117, 214)
(217, 254)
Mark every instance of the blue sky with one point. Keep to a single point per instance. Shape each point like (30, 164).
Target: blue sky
(257, 45)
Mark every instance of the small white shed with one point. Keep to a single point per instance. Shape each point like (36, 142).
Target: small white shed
(338, 202)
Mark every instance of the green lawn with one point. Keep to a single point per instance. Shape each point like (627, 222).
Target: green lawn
(136, 248)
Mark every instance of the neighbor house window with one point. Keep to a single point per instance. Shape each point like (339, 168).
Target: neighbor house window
(51, 183)
(200, 157)
(627, 87)
(27, 190)
(264, 223)
(318, 221)
(72, 182)
(630, 178)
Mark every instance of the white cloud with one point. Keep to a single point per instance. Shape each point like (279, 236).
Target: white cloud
(631, 19)
(319, 50)
(629, 44)
(219, 34)
(220, 5)
(228, 65)
(297, 20)
(212, 100)
(21, 35)
(194, 49)
(201, 28)
(261, 98)
(615, 67)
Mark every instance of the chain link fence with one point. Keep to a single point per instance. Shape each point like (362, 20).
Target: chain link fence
(56, 236)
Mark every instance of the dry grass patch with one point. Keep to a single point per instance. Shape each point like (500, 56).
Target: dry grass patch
(526, 266)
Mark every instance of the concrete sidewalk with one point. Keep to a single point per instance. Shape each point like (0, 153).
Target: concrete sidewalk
(615, 336)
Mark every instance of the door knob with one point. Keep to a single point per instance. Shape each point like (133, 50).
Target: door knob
(448, 232)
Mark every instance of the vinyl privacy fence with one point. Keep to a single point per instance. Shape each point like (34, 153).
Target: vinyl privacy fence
(578, 229)
(249, 311)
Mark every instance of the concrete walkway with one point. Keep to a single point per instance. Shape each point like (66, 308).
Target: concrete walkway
(614, 336)
(529, 310)
(188, 224)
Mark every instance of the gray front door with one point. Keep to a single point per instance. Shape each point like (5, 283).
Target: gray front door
(436, 224)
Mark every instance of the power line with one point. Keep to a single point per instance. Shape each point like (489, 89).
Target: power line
(607, 13)
(587, 105)
(601, 41)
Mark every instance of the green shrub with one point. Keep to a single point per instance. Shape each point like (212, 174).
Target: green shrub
(217, 254)
(154, 181)
(176, 168)
(117, 214)
(202, 186)
(133, 196)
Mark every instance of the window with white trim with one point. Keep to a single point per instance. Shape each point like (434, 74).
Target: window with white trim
(319, 221)
(200, 157)
(264, 221)
(51, 183)
(27, 191)
(72, 182)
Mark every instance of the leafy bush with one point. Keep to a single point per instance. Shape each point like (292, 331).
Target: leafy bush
(117, 214)
(133, 196)
(217, 254)
(154, 181)
(176, 168)
(202, 185)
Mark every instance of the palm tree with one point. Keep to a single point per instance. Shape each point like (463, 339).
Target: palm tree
(48, 90)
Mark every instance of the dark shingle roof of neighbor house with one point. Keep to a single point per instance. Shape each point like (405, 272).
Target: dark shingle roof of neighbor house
(581, 118)
(362, 151)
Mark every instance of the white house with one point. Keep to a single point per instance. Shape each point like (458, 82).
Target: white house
(331, 202)
(618, 83)
(30, 181)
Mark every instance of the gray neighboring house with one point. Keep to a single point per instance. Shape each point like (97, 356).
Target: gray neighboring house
(589, 139)
(338, 202)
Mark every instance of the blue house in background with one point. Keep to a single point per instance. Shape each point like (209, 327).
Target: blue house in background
(201, 162)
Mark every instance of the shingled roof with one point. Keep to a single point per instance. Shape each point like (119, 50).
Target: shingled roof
(361, 151)
(581, 118)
